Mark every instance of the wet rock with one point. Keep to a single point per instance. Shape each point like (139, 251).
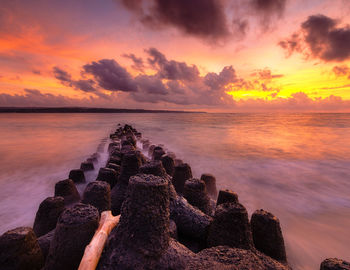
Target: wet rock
(210, 182)
(178, 161)
(335, 264)
(96, 155)
(131, 139)
(44, 242)
(223, 257)
(115, 159)
(168, 164)
(92, 159)
(158, 152)
(172, 229)
(98, 194)
(127, 149)
(141, 240)
(190, 221)
(118, 194)
(182, 173)
(267, 235)
(47, 215)
(226, 196)
(230, 227)
(150, 150)
(154, 167)
(130, 166)
(67, 190)
(75, 229)
(87, 166)
(114, 166)
(77, 176)
(112, 145)
(196, 194)
(142, 157)
(19, 250)
(108, 175)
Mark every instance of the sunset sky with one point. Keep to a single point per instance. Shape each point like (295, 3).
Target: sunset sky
(209, 55)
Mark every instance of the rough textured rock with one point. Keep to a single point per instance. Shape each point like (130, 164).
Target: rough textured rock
(127, 149)
(267, 235)
(182, 173)
(87, 166)
(113, 145)
(150, 150)
(226, 196)
(230, 227)
(335, 264)
(108, 175)
(154, 167)
(75, 229)
(226, 258)
(196, 194)
(141, 240)
(157, 153)
(98, 194)
(130, 166)
(114, 159)
(77, 176)
(172, 229)
(47, 215)
(19, 250)
(45, 242)
(190, 221)
(67, 190)
(168, 164)
(178, 161)
(210, 182)
(114, 166)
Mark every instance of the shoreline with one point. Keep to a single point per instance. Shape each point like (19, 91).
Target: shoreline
(83, 110)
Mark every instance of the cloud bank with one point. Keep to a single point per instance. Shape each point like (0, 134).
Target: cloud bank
(320, 37)
(213, 20)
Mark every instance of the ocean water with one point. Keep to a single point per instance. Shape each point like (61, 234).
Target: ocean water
(296, 166)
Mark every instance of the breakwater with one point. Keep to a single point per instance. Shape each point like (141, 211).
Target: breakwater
(168, 219)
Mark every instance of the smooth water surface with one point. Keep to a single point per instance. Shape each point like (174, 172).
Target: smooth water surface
(296, 166)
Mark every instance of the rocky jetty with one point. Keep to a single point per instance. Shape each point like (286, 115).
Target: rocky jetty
(168, 218)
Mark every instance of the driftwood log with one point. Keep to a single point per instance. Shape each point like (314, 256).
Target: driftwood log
(94, 250)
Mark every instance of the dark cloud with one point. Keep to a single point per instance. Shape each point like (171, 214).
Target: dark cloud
(110, 75)
(320, 37)
(342, 70)
(137, 62)
(171, 70)
(213, 20)
(36, 72)
(62, 76)
(217, 81)
(66, 79)
(271, 7)
(172, 82)
(205, 18)
(84, 85)
(267, 10)
(151, 85)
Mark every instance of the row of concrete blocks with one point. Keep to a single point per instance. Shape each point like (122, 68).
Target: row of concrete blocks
(162, 207)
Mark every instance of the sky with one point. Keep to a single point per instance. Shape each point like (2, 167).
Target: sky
(202, 55)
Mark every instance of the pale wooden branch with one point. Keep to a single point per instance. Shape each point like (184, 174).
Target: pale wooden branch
(94, 250)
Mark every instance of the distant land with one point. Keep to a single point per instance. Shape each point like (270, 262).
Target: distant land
(82, 110)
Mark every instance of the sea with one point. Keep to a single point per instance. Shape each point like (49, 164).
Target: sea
(295, 165)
